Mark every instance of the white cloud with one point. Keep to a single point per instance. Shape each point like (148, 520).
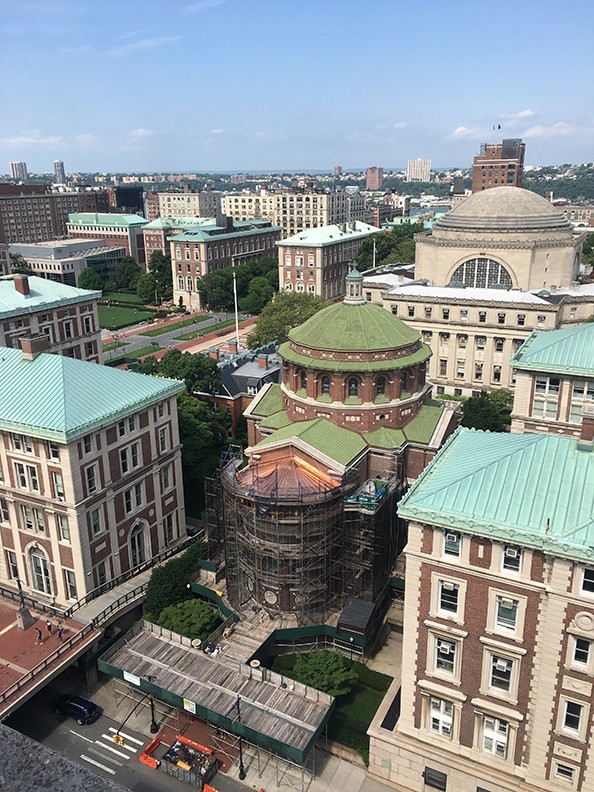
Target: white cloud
(560, 129)
(216, 131)
(32, 140)
(517, 116)
(202, 5)
(142, 45)
(461, 132)
(141, 133)
(86, 140)
(400, 125)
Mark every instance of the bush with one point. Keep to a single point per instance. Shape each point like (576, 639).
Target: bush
(325, 671)
(372, 679)
(168, 583)
(192, 618)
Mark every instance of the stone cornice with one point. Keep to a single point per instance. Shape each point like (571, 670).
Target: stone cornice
(483, 243)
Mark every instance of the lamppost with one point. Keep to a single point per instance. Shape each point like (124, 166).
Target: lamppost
(24, 618)
(154, 727)
(351, 639)
(241, 767)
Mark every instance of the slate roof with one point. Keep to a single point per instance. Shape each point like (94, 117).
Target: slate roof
(529, 489)
(62, 398)
(44, 295)
(569, 350)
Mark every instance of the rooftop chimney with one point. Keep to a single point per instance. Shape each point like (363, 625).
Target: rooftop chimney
(21, 284)
(232, 344)
(587, 431)
(213, 353)
(262, 361)
(33, 345)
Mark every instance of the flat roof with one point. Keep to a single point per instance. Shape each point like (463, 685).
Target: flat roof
(105, 219)
(498, 296)
(329, 235)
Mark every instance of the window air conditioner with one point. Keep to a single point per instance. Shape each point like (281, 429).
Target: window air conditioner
(512, 552)
(506, 603)
(451, 537)
(446, 586)
(445, 647)
(502, 665)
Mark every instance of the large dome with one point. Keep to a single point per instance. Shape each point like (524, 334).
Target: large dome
(504, 209)
(354, 328)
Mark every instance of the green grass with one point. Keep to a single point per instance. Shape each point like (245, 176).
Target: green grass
(114, 345)
(172, 327)
(209, 329)
(122, 297)
(142, 352)
(113, 317)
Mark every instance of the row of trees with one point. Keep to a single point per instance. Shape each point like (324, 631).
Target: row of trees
(154, 285)
(391, 247)
(256, 281)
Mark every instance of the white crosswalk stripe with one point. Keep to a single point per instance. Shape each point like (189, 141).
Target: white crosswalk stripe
(95, 752)
(127, 736)
(97, 764)
(109, 738)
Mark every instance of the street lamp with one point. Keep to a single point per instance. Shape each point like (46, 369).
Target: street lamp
(351, 639)
(154, 727)
(241, 767)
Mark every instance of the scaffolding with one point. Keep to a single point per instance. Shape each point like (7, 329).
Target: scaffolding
(298, 539)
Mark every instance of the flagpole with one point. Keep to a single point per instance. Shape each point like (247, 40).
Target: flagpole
(236, 312)
(374, 254)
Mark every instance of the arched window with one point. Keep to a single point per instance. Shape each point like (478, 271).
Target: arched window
(137, 546)
(40, 574)
(482, 273)
(300, 286)
(288, 286)
(325, 384)
(303, 380)
(197, 282)
(180, 283)
(311, 288)
(380, 386)
(189, 282)
(403, 379)
(353, 386)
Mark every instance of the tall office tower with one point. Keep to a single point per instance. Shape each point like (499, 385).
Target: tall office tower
(59, 172)
(499, 164)
(418, 170)
(338, 170)
(18, 170)
(374, 178)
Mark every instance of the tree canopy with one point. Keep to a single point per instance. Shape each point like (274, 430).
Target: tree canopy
(216, 288)
(396, 245)
(89, 279)
(192, 618)
(159, 266)
(148, 289)
(285, 311)
(127, 273)
(19, 265)
(487, 411)
(199, 372)
(167, 584)
(327, 671)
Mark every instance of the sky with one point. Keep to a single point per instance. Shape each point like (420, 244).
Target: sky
(233, 85)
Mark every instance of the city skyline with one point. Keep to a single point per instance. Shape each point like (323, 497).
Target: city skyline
(264, 86)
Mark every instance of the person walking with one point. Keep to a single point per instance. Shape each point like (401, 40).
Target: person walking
(60, 633)
(39, 636)
(48, 625)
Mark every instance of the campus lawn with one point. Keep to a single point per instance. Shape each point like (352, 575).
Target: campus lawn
(114, 345)
(113, 317)
(138, 353)
(176, 326)
(122, 297)
(208, 329)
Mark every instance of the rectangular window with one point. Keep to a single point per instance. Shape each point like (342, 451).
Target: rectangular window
(128, 501)
(495, 734)
(564, 771)
(482, 316)
(500, 673)
(124, 460)
(478, 371)
(459, 369)
(521, 319)
(4, 515)
(95, 521)
(444, 338)
(588, 581)
(22, 443)
(91, 480)
(87, 324)
(435, 779)
(448, 596)
(499, 343)
(582, 393)
(63, 528)
(428, 311)
(131, 423)
(70, 581)
(463, 315)
(21, 477)
(88, 443)
(58, 485)
(501, 318)
(160, 409)
(443, 367)
(168, 528)
(121, 428)
(134, 455)
(445, 655)
(546, 395)
(138, 495)
(27, 515)
(53, 450)
(163, 439)
(411, 311)
(11, 565)
(512, 558)
(581, 651)
(39, 520)
(480, 342)
(166, 477)
(496, 373)
(451, 544)
(395, 310)
(441, 714)
(445, 313)
(462, 341)
(506, 615)
(572, 716)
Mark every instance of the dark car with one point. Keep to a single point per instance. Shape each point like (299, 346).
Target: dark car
(79, 708)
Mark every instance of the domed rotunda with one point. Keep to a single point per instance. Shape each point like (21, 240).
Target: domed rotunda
(504, 236)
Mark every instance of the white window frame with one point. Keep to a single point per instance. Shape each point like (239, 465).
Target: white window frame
(12, 567)
(440, 717)
(95, 521)
(70, 584)
(511, 558)
(576, 732)
(63, 528)
(491, 732)
(91, 479)
(163, 440)
(448, 544)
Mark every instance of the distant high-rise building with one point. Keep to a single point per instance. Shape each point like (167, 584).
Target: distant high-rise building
(374, 178)
(18, 170)
(338, 170)
(59, 172)
(499, 164)
(418, 170)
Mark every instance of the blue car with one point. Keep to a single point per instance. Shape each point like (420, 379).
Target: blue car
(81, 709)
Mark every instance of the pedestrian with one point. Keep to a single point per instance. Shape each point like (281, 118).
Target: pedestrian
(60, 633)
(39, 636)
(48, 624)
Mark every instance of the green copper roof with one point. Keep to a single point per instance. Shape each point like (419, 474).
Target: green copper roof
(419, 430)
(162, 223)
(105, 219)
(268, 401)
(420, 356)
(276, 420)
(62, 398)
(214, 233)
(568, 350)
(354, 328)
(537, 490)
(44, 295)
(339, 444)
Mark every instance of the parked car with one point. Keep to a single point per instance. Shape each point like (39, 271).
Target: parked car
(79, 708)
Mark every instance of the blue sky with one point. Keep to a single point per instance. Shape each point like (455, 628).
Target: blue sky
(292, 84)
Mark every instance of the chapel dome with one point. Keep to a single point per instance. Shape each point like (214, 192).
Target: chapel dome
(504, 209)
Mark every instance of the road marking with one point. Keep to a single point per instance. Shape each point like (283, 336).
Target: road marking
(107, 758)
(97, 764)
(127, 736)
(113, 750)
(127, 747)
(81, 736)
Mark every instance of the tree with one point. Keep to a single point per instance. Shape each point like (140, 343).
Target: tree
(199, 373)
(325, 671)
(216, 289)
(285, 311)
(19, 265)
(260, 292)
(159, 266)
(127, 273)
(148, 289)
(396, 245)
(192, 618)
(89, 279)
(485, 412)
(168, 582)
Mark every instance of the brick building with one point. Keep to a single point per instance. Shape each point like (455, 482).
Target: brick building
(113, 229)
(498, 651)
(65, 315)
(157, 232)
(90, 465)
(190, 204)
(374, 178)
(499, 164)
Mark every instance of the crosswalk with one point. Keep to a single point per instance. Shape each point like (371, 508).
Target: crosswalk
(107, 754)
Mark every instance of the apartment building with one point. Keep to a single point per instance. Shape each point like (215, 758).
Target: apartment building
(90, 472)
(18, 170)
(157, 232)
(32, 213)
(113, 229)
(374, 178)
(297, 211)
(317, 260)
(554, 374)
(202, 250)
(499, 164)
(65, 315)
(498, 652)
(190, 204)
(63, 260)
(418, 170)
